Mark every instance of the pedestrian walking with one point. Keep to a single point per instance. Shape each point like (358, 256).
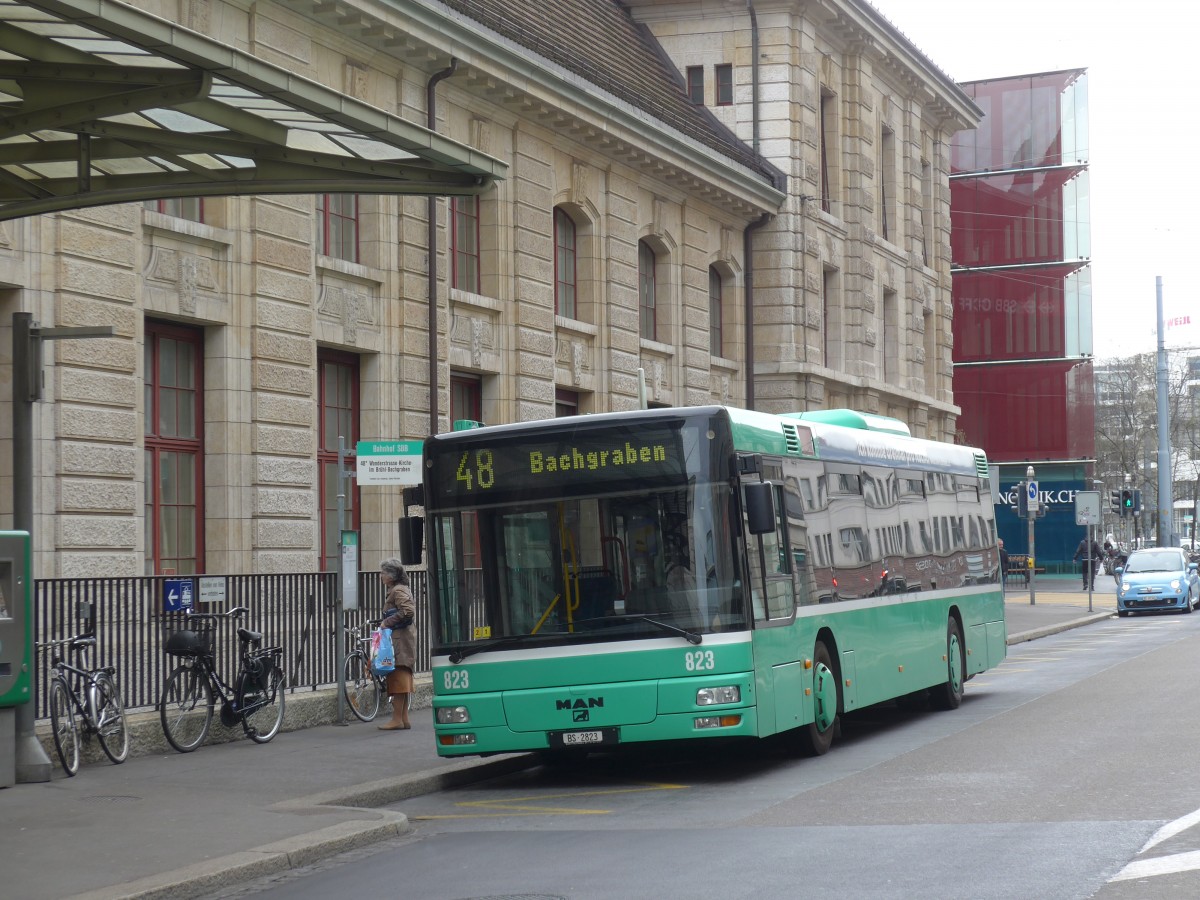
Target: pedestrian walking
(398, 615)
(1089, 553)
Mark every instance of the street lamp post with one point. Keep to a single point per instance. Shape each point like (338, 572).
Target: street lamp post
(1030, 475)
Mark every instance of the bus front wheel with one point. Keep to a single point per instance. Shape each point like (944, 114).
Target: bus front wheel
(815, 738)
(950, 694)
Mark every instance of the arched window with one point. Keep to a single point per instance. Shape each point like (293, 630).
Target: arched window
(564, 264)
(716, 313)
(647, 286)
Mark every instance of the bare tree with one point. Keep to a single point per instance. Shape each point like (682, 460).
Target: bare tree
(1127, 423)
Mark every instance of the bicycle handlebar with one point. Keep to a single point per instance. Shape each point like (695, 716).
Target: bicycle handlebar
(79, 642)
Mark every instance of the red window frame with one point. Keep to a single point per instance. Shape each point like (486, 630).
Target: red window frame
(337, 226)
(647, 291)
(190, 208)
(174, 440)
(566, 403)
(464, 243)
(565, 255)
(336, 414)
(695, 84)
(724, 78)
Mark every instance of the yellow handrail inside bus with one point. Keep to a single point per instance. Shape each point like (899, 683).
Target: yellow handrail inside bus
(546, 614)
(570, 569)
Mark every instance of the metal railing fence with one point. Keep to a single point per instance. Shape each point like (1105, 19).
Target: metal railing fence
(295, 611)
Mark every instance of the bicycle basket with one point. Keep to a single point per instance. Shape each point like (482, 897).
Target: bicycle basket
(197, 641)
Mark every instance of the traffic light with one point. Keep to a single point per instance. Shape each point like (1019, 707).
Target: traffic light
(1023, 500)
(1114, 501)
(1137, 503)
(1127, 502)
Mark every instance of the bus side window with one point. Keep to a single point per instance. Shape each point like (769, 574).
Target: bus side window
(780, 590)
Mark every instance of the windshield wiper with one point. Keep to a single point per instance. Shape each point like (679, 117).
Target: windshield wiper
(691, 636)
(459, 655)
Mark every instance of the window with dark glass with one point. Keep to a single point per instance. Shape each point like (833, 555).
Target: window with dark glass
(647, 289)
(827, 126)
(464, 243)
(337, 226)
(564, 264)
(566, 403)
(716, 313)
(695, 84)
(190, 208)
(174, 449)
(887, 183)
(724, 77)
(338, 412)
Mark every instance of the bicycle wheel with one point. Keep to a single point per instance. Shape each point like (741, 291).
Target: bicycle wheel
(260, 698)
(111, 727)
(186, 708)
(66, 728)
(364, 693)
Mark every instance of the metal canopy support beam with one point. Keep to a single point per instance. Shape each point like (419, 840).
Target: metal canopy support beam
(151, 110)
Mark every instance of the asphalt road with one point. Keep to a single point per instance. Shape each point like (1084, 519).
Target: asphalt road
(1068, 772)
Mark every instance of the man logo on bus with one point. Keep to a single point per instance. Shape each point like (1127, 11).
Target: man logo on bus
(580, 703)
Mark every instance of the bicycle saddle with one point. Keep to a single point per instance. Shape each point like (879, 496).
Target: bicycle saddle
(249, 637)
(79, 643)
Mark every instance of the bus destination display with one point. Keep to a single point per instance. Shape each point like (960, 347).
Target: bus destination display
(475, 470)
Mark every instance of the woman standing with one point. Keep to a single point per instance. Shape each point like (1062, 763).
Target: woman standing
(398, 616)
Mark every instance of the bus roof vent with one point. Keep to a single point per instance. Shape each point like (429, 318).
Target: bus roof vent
(981, 466)
(791, 438)
(799, 439)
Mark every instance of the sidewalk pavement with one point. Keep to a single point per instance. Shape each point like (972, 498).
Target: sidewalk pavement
(184, 825)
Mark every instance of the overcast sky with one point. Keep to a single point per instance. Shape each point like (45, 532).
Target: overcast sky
(1142, 61)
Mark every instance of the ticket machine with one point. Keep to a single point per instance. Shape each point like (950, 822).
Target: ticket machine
(16, 619)
(16, 644)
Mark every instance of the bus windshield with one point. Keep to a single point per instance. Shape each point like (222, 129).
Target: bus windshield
(553, 540)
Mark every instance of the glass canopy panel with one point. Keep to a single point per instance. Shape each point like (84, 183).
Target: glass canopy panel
(369, 149)
(135, 165)
(173, 120)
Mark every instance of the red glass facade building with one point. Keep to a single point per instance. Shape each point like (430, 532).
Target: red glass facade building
(1022, 292)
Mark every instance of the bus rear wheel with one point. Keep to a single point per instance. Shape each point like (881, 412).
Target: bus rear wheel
(815, 738)
(950, 694)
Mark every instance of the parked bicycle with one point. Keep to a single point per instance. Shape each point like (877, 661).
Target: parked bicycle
(255, 698)
(85, 702)
(364, 689)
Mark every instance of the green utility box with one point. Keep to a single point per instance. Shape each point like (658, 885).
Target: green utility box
(16, 619)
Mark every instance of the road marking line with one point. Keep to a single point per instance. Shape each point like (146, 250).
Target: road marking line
(516, 805)
(1162, 865)
(1183, 823)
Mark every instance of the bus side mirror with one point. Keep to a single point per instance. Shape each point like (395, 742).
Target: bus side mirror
(412, 535)
(760, 507)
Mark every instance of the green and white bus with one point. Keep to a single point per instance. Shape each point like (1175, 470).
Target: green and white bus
(700, 573)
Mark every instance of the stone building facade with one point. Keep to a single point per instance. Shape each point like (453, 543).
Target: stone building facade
(852, 304)
(252, 331)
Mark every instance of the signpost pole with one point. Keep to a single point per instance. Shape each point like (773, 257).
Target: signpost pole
(1032, 494)
(341, 606)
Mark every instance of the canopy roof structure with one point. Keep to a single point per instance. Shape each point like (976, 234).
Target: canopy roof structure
(103, 103)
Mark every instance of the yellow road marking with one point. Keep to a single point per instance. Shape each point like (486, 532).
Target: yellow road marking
(516, 805)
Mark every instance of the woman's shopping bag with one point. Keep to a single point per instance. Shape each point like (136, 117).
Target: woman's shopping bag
(383, 657)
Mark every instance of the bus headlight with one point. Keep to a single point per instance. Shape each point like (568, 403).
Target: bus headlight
(712, 696)
(453, 715)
